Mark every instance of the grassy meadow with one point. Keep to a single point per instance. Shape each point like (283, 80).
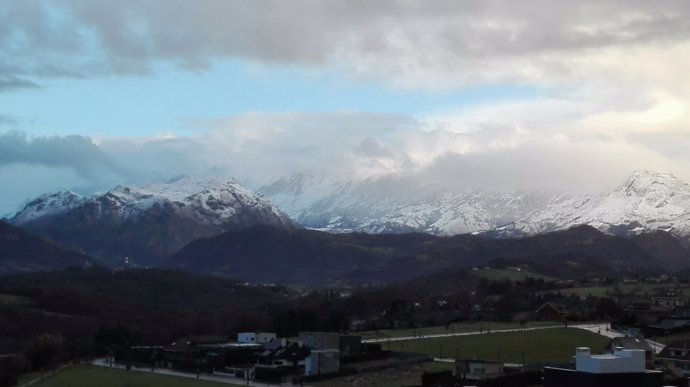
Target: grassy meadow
(556, 345)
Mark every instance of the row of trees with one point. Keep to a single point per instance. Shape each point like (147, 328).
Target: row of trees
(43, 353)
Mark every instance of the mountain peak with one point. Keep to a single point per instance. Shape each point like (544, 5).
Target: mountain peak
(645, 182)
(150, 221)
(49, 204)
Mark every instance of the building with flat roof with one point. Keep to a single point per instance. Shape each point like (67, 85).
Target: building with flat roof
(622, 368)
(255, 337)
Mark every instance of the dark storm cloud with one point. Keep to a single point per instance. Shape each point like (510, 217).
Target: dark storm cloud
(76, 152)
(12, 82)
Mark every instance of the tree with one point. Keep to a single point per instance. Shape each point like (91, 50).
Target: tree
(45, 351)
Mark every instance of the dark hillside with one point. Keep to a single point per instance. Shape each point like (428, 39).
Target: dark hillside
(270, 255)
(22, 252)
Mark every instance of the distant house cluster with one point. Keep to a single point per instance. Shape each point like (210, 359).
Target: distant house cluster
(261, 356)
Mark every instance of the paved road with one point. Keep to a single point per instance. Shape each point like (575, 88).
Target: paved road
(101, 362)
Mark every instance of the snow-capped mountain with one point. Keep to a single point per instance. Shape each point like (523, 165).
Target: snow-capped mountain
(150, 221)
(395, 204)
(645, 201)
(47, 205)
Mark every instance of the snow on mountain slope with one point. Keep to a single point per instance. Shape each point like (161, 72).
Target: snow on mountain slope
(395, 204)
(49, 204)
(146, 223)
(210, 201)
(645, 201)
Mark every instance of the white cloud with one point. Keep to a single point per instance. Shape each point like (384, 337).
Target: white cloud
(435, 44)
(613, 74)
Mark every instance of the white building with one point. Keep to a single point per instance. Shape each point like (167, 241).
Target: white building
(255, 337)
(620, 361)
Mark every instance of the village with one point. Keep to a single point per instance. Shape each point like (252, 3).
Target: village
(594, 332)
(645, 343)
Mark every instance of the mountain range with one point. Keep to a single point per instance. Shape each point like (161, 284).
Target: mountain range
(208, 226)
(646, 201)
(143, 224)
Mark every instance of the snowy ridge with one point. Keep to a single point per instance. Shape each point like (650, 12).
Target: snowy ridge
(394, 204)
(646, 201)
(208, 201)
(49, 204)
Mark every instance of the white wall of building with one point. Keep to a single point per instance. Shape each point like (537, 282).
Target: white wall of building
(621, 361)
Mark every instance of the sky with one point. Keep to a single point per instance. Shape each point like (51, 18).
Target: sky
(490, 94)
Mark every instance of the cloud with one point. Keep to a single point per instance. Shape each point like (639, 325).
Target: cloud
(420, 45)
(12, 82)
(8, 120)
(507, 150)
(558, 164)
(258, 146)
(74, 152)
(471, 150)
(32, 180)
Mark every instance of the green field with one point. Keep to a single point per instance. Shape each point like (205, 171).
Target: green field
(91, 376)
(452, 328)
(553, 345)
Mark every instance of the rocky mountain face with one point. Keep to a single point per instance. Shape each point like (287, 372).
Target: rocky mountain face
(646, 201)
(141, 224)
(22, 252)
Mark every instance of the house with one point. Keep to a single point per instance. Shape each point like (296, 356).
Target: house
(676, 356)
(185, 353)
(226, 356)
(552, 311)
(478, 369)
(640, 343)
(669, 301)
(283, 353)
(622, 368)
(679, 318)
(681, 311)
(280, 359)
(348, 345)
(255, 337)
(643, 311)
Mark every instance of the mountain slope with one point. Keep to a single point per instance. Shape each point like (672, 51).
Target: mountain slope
(148, 222)
(395, 204)
(646, 201)
(269, 255)
(22, 252)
